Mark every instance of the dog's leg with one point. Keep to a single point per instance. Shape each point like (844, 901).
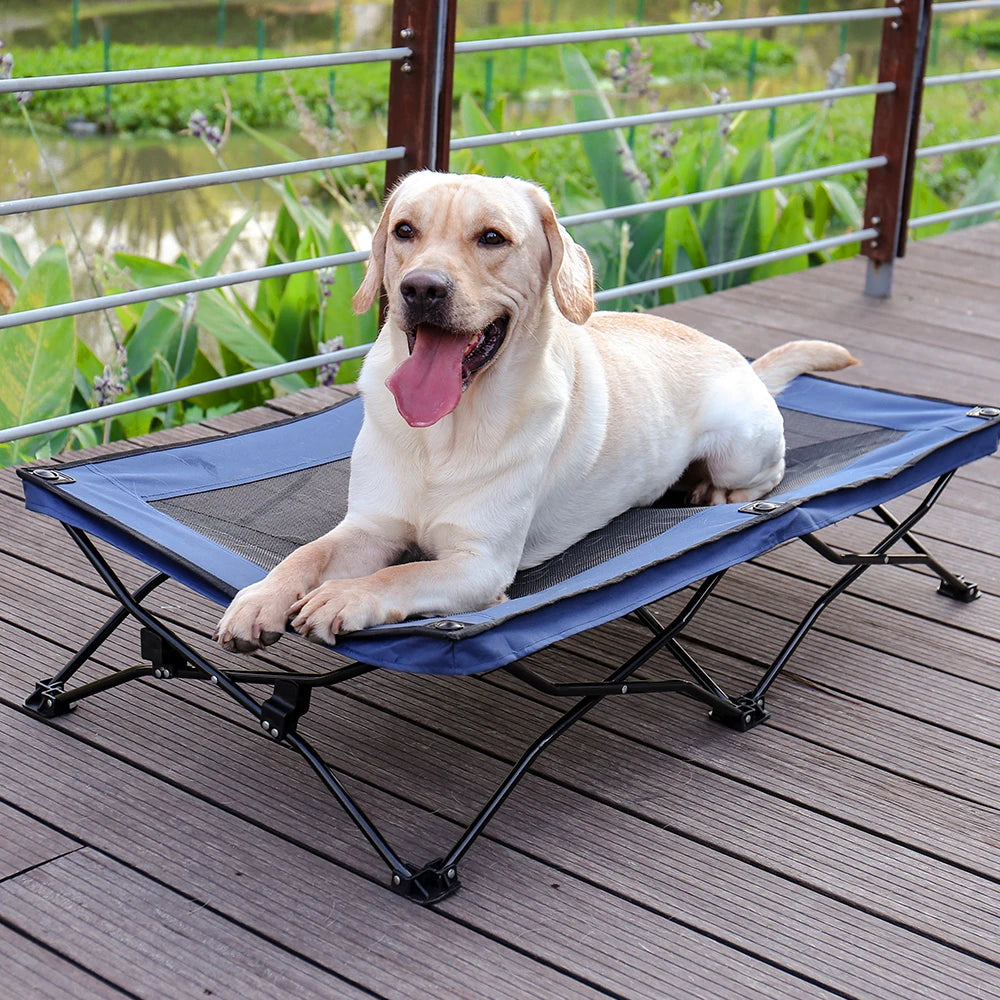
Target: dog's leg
(736, 482)
(456, 581)
(743, 455)
(259, 613)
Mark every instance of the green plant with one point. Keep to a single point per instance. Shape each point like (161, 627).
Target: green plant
(729, 150)
(174, 342)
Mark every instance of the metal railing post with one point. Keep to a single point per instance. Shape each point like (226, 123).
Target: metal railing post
(895, 130)
(420, 88)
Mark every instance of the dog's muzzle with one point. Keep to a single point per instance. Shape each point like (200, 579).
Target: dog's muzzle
(426, 296)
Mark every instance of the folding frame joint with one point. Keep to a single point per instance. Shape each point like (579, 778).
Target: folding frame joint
(280, 714)
(167, 662)
(959, 589)
(47, 700)
(427, 885)
(745, 714)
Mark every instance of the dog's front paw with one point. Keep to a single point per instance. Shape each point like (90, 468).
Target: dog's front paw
(257, 616)
(338, 606)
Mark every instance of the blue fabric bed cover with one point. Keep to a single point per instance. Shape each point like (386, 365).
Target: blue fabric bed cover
(113, 499)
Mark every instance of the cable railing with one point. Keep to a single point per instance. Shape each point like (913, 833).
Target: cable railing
(663, 117)
(681, 28)
(964, 145)
(419, 136)
(189, 182)
(108, 78)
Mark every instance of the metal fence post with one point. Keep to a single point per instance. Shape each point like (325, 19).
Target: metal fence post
(420, 88)
(895, 129)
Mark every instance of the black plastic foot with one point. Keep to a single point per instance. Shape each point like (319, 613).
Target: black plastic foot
(959, 590)
(46, 700)
(430, 884)
(743, 716)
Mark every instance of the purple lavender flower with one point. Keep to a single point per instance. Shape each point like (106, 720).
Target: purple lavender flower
(326, 374)
(110, 384)
(327, 279)
(200, 127)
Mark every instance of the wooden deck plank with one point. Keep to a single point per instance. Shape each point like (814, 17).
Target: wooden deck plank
(27, 843)
(290, 895)
(696, 877)
(32, 971)
(85, 905)
(121, 723)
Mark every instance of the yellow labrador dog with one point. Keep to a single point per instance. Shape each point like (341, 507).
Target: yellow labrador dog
(505, 419)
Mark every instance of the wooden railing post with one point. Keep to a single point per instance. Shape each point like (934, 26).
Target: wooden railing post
(894, 135)
(420, 88)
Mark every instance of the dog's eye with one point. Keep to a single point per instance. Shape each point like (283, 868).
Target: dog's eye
(492, 238)
(404, 231)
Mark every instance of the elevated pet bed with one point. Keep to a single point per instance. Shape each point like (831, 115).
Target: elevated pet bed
(217, 514)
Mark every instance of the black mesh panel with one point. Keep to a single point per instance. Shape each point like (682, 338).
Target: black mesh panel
(266, 519)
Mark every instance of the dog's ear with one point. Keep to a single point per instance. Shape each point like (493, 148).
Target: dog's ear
(371, 285)
(572, 276)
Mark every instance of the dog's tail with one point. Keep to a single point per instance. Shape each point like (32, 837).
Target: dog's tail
(778, 367)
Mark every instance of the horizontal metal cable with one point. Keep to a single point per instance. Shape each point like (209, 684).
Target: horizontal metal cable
(108, 78)
(655, 30)
(189, 181)
(732, 191)
(976, 76)
(178, 288)
(728, 267)
(291, 367)
(955, 213)
(960, 146)
(948, 8)
(680, 114)
(176, 395)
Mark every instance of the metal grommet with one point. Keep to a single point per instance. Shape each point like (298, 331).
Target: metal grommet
(759, 507)
(449, 626)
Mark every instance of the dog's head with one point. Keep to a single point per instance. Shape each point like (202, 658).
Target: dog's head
(468, 263)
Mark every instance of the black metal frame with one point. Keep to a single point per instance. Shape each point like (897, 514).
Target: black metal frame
(169, 656)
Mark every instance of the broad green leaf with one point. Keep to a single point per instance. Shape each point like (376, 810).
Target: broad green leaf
(156, 333)
(495, 161)
(789, 233)
(926, 202)
(86, 368)
(787, 144)
(36, 377)
(145, 272)
(223, 319)
(690, 289)
(822, 210)
(214, 260)
(12, 261)
(130, 425)
(613, 166)
(846, 209)
(299, 303)
(985, 188)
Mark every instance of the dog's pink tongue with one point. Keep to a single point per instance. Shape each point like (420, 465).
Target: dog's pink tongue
(428, 384)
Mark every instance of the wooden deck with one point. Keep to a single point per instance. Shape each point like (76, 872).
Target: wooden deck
(154, 845)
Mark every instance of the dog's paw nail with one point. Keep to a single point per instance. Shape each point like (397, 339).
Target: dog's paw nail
(244, 646)
(270, 638)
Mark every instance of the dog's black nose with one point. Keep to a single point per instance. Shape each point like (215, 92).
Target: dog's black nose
(425, 288)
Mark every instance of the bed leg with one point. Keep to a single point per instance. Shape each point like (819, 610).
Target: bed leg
(746, 714)
(952, 585)
(427, 885)
(50, 698)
